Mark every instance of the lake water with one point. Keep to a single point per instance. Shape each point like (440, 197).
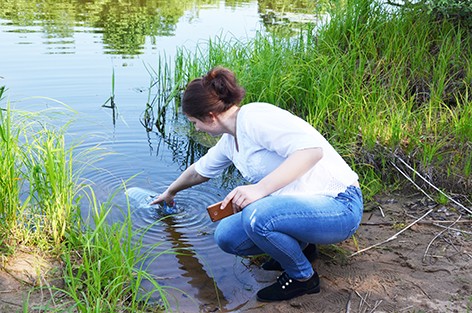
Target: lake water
(68, 52)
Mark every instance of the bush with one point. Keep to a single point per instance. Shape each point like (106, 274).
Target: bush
(458, 10)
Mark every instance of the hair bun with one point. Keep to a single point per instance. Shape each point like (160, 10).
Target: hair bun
(215, 92)
(218, 80)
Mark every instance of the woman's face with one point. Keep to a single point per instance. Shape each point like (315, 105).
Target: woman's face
(209, 125)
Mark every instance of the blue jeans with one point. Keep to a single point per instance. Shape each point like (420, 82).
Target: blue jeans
(282, 226)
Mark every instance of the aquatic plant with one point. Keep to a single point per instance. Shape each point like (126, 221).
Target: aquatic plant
(2, 91)
(38, 186)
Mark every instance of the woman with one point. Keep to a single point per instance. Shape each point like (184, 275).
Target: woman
(301, 191)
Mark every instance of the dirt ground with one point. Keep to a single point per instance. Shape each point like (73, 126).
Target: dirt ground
(421, 262)
(19, 274)
(425, 268)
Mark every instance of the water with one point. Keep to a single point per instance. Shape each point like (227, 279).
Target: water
(68, 51)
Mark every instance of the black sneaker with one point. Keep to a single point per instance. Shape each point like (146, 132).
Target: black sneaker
(286, 288)
(310, 251)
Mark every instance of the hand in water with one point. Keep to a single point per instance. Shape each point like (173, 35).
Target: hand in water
(146, 199)
(166, 207)
(163, 198)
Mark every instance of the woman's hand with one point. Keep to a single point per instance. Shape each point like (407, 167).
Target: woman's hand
(242, 196)
(187, 179)
(166, 197)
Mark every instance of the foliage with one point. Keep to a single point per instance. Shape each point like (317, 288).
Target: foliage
(10, 181)
(460, 10)
(126, 25)
(38, 185)
(451, 10)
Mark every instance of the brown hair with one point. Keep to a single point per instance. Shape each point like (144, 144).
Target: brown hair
(215, 92)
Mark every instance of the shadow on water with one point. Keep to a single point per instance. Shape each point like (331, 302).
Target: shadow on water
(207, 290)
(189, 234)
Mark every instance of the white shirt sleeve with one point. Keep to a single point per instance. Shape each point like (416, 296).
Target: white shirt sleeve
(216, 160)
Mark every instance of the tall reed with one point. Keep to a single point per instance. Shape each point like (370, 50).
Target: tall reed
(11, 179)
(105, 265)
(52, 184)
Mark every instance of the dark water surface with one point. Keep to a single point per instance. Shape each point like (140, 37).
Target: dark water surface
(55, 54)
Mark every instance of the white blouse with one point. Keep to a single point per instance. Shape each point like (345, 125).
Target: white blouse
(266, 136)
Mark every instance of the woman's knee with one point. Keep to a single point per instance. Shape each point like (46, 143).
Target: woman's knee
(230, 235)
(255, 219)
(223, 238)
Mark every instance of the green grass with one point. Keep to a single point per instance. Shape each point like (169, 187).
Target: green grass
(375, 83)
(110, 272)
(38, 185)
(10, 181)
(41, 192)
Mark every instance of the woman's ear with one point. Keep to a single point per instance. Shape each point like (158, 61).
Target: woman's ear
(212, 116)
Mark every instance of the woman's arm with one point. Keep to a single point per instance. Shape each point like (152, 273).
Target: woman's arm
(187, 179)
(297, 164)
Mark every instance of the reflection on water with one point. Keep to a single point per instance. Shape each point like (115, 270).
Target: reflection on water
(187, 259)
(80, 51)
(127, 25)
(192, 267)
(286, 17)
(184, 149)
